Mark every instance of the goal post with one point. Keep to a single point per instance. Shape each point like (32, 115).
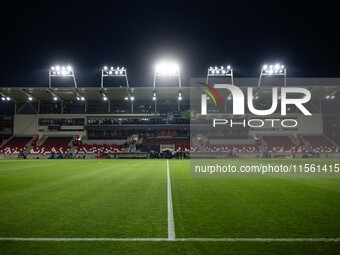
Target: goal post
(167, 147)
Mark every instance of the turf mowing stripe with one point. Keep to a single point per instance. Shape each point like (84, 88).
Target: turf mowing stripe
(171, 224)
(327, 240)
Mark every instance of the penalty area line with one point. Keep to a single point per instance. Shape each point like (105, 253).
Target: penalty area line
(23, 239)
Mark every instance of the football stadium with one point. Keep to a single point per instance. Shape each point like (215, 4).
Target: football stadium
(92, 170)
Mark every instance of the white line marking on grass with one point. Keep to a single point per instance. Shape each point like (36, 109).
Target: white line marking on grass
(23, 239)
(171, 222)
(258, 239)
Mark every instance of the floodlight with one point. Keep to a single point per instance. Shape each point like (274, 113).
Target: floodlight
(153, 98)
(126, 98)
(8, 98)
(3, 98)
(30, 98)
(55, 98)
(224, 71)
(332, 96)
(78, 98)
(167, 69)
(82, 98)
(64, 71)
(105, 98)
(328, 97)
(132, 98)
(273, 70)
(114, 72)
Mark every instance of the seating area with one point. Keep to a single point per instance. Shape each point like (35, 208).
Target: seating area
(274, 144)
(15, 145)
(319, 143)
(282, 144)
(194, 149)
(53, 145)
(237, 148)
(100, 148)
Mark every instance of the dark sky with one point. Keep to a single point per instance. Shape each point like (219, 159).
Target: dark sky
(246, 34)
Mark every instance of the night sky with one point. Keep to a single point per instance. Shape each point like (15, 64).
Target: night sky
(135, 34)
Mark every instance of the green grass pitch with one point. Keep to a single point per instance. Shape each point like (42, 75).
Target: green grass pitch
(128, 199)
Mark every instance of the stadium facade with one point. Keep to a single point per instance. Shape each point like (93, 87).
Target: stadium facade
(162, 121)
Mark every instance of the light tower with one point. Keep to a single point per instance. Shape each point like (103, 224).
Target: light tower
(61, 72)
(273, 70)
(115, 72)
(167, 69)
(223, 71)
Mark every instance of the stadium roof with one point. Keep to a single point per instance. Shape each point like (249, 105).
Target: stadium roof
(93, 93)
(320, 88)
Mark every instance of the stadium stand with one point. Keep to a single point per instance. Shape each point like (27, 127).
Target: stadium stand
(320, 143)
(282, 144)
(121, 125)
(237, 148)
(53, 145)
(15, 145)
(99, 148)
